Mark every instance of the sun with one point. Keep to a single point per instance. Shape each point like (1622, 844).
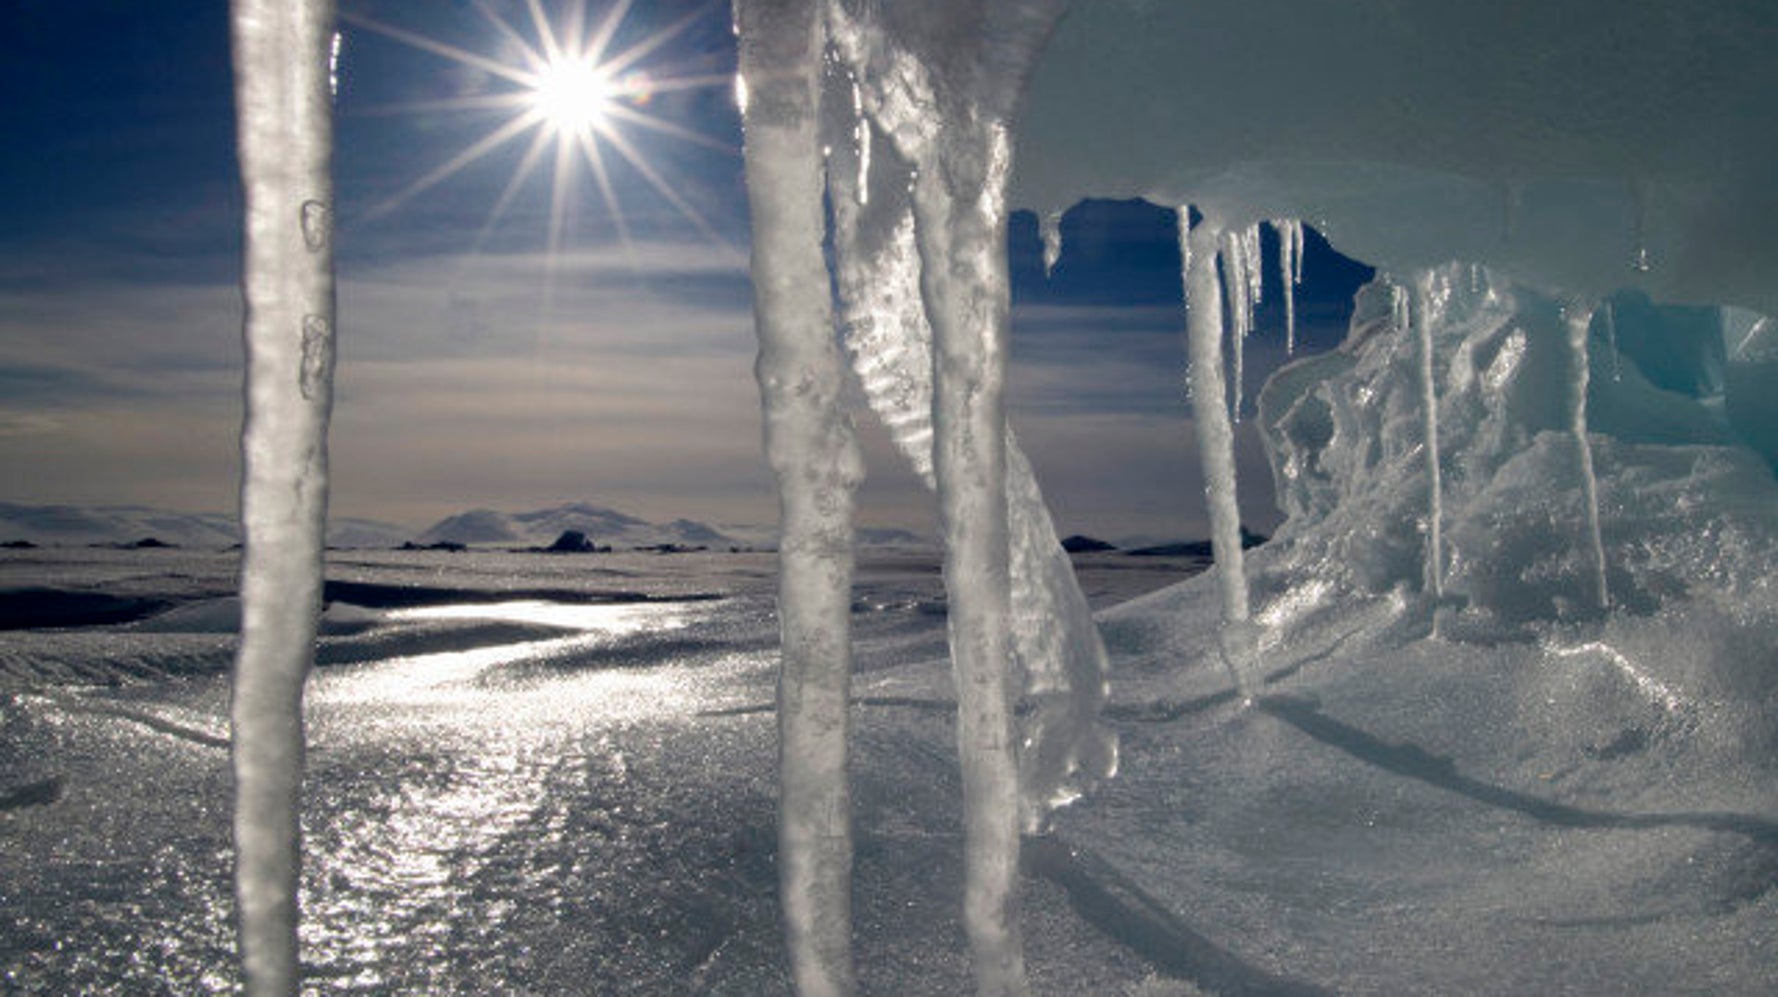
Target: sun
(567, 88)
(573, 96)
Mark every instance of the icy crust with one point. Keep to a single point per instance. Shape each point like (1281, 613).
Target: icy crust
(1688, 527)
(1574, 145)
(1404, 814)
(1508, 787)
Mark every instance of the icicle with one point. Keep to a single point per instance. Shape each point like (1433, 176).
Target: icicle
(1050, 227)
(810, 445)
(861, 136)
(1216, 438)
(1238, 287)
(952, 126)
(1064, 750)
(282, 51)
(1250, 263)
(1290, 274)
(1617, 359)
(1419, 304)
(1578, 319)
(960, 231)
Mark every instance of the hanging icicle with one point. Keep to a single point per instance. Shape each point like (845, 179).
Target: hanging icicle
(1578, 319)
(1290, 274)
(1419, 302)
(1198, 249)
(283, 101)
(1617, 359)
(1064, 749)
(953, 126)
(1238, 288)
(861, 140)
(811, 448)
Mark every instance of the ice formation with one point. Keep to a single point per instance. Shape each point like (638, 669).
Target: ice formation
(1063, 749)
(1290, 274)
(1199, 249)
(282, 50)
(810, 445)
(1417, 303)
(1577, 320)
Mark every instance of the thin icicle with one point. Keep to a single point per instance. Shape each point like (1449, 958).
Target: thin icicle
(282, 51)
(810, 445)
(1250, 263)
(1617, 359)
(1238, 287)
(1420, 305)
(1216, 438)
(1290, 274)
(1578, 319)
(861, 138)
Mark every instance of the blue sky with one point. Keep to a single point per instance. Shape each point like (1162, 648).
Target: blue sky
(503, 374)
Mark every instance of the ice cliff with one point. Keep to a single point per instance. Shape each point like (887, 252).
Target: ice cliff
(1580, 146)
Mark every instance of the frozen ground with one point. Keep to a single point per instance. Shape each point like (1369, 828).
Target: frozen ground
(551, 796)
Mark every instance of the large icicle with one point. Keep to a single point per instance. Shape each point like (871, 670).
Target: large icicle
(810, 445)
(1578, 318)
(1419, 303)
(285, 131)
(1063, 748)
(1198, 248)
(960, 225)
(942, 84)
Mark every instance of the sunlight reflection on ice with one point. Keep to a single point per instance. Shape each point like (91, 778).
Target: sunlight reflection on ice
(504, 735)
(614, 620)
(474, 676)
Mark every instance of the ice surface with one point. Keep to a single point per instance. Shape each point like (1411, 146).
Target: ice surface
(284, 113)
(811, 447)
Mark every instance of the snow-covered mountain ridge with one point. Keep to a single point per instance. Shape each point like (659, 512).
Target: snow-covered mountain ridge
(539, 527)
(77, 525)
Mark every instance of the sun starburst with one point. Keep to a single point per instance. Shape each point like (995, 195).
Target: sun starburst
(573, 94)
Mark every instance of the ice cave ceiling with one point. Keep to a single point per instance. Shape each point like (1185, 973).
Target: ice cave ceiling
(1580, 147)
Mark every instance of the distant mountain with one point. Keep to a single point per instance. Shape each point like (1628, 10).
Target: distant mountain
(889, 536)
(1193, 548)
(541, 527)
(73, 525)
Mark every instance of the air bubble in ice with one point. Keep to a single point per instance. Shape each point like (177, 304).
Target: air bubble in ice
(317, 225)
(317, 354)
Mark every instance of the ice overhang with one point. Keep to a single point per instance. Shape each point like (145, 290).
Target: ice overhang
(1580, 146)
